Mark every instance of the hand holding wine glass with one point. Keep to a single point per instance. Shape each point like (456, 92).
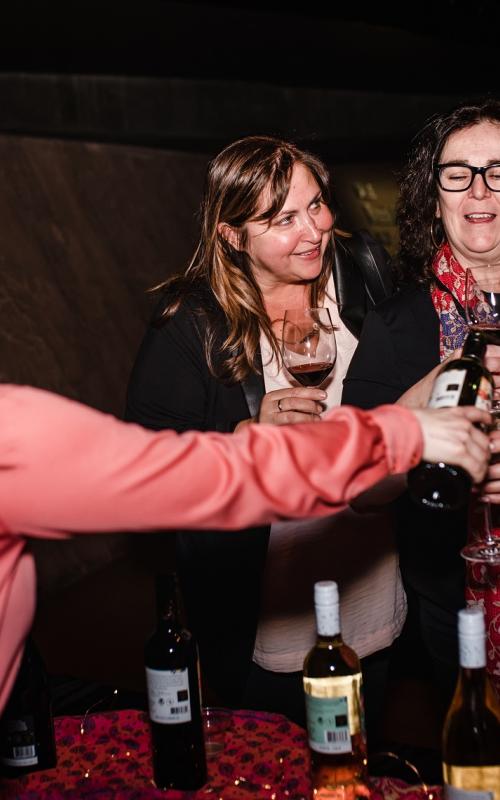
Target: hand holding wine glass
(482, 312)
(482, 301)
(309, 348)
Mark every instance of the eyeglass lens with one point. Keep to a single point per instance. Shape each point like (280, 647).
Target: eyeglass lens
(459, 177)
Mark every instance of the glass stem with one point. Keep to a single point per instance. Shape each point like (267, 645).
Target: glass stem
(488, 523)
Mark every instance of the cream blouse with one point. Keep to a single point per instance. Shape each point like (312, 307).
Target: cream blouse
(358, 551)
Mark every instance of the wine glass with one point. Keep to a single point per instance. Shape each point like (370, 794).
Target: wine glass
(482, 313)
(309, 348)
(482, 301)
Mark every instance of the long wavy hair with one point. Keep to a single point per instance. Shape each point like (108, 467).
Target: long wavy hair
(235, 182)
(419, 229)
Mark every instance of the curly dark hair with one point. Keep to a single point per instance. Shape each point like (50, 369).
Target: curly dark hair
(416, 208)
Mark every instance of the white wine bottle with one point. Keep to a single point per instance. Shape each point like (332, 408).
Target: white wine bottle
(471, 734)
(172, 678)
(464, 381)
(334, 704)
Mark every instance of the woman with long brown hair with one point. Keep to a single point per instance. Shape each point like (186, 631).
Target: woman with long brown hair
(211, 361)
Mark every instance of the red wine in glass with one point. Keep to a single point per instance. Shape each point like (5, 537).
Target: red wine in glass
(311, 374)
(308, 345)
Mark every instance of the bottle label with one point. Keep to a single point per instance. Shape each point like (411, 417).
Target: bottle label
(19, 748)
(484, 397)
(471, 783)
(334, 712)
(447, 389)
(168, 696)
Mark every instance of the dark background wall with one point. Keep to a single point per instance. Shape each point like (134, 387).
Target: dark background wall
(355, 82)
(352, 84)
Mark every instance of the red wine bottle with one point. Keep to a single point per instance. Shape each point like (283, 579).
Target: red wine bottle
(173, 686)
(27, 740)
(464, 381)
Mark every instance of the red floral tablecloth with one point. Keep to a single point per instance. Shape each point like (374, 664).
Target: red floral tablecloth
(483, 586)
(264, 757)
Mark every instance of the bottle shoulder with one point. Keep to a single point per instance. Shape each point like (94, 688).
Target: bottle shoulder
(471, 731)
(327, 659)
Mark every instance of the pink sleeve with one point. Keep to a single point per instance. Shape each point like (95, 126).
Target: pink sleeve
(66, 468)
(83, 470)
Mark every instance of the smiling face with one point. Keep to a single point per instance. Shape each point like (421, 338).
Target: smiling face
(471, 219)
(289, 248)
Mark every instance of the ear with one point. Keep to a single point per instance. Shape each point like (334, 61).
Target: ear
(438, 210)
(230, 234)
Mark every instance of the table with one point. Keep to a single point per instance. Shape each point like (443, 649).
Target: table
(265, 757)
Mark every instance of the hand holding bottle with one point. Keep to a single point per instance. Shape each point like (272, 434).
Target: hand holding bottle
(451, 435)
(446, 484)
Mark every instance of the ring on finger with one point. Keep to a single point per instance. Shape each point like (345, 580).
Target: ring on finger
(279, 405)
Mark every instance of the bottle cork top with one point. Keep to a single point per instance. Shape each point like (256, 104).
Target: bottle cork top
(326, 593)
(471, 621)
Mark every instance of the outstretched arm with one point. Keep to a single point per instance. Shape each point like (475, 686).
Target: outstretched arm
(66, 468)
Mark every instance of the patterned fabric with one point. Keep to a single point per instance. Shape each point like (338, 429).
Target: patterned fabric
(483, 581)
(265, 756)
(483, 588)
(452, 326)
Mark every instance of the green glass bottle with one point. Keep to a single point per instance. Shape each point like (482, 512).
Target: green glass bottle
(464, 381)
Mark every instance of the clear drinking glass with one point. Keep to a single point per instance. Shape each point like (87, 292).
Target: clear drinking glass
(309, 348)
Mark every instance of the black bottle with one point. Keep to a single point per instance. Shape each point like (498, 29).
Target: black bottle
(464, 381)
(172, 678)
(27, 740)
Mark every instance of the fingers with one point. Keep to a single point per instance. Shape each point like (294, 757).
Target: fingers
(492, 362)
(491, 486)
(470, 413)
(451, 435)
(289, 406)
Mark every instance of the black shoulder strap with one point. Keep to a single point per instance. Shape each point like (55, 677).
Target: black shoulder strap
(254, 390)
(373, 261)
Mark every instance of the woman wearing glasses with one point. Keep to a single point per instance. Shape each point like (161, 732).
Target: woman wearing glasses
(449, 219)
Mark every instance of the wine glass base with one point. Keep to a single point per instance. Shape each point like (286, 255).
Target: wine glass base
(482, 552)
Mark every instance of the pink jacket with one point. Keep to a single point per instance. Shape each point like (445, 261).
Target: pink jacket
(65, 468)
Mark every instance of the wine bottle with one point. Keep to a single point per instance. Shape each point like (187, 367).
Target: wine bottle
(27, 740)
(464, 381)
(334, 704)
(173, 687)
(471, 734)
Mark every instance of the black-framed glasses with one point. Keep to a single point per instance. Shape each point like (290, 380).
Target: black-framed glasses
(457, 177)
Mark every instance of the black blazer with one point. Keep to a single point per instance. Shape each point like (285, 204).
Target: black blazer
(171, 386)
(399, 344)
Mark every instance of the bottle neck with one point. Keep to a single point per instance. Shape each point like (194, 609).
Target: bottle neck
(472, 651)
(167, 608)
(328, 621)
(471, 686)
(474, 346)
